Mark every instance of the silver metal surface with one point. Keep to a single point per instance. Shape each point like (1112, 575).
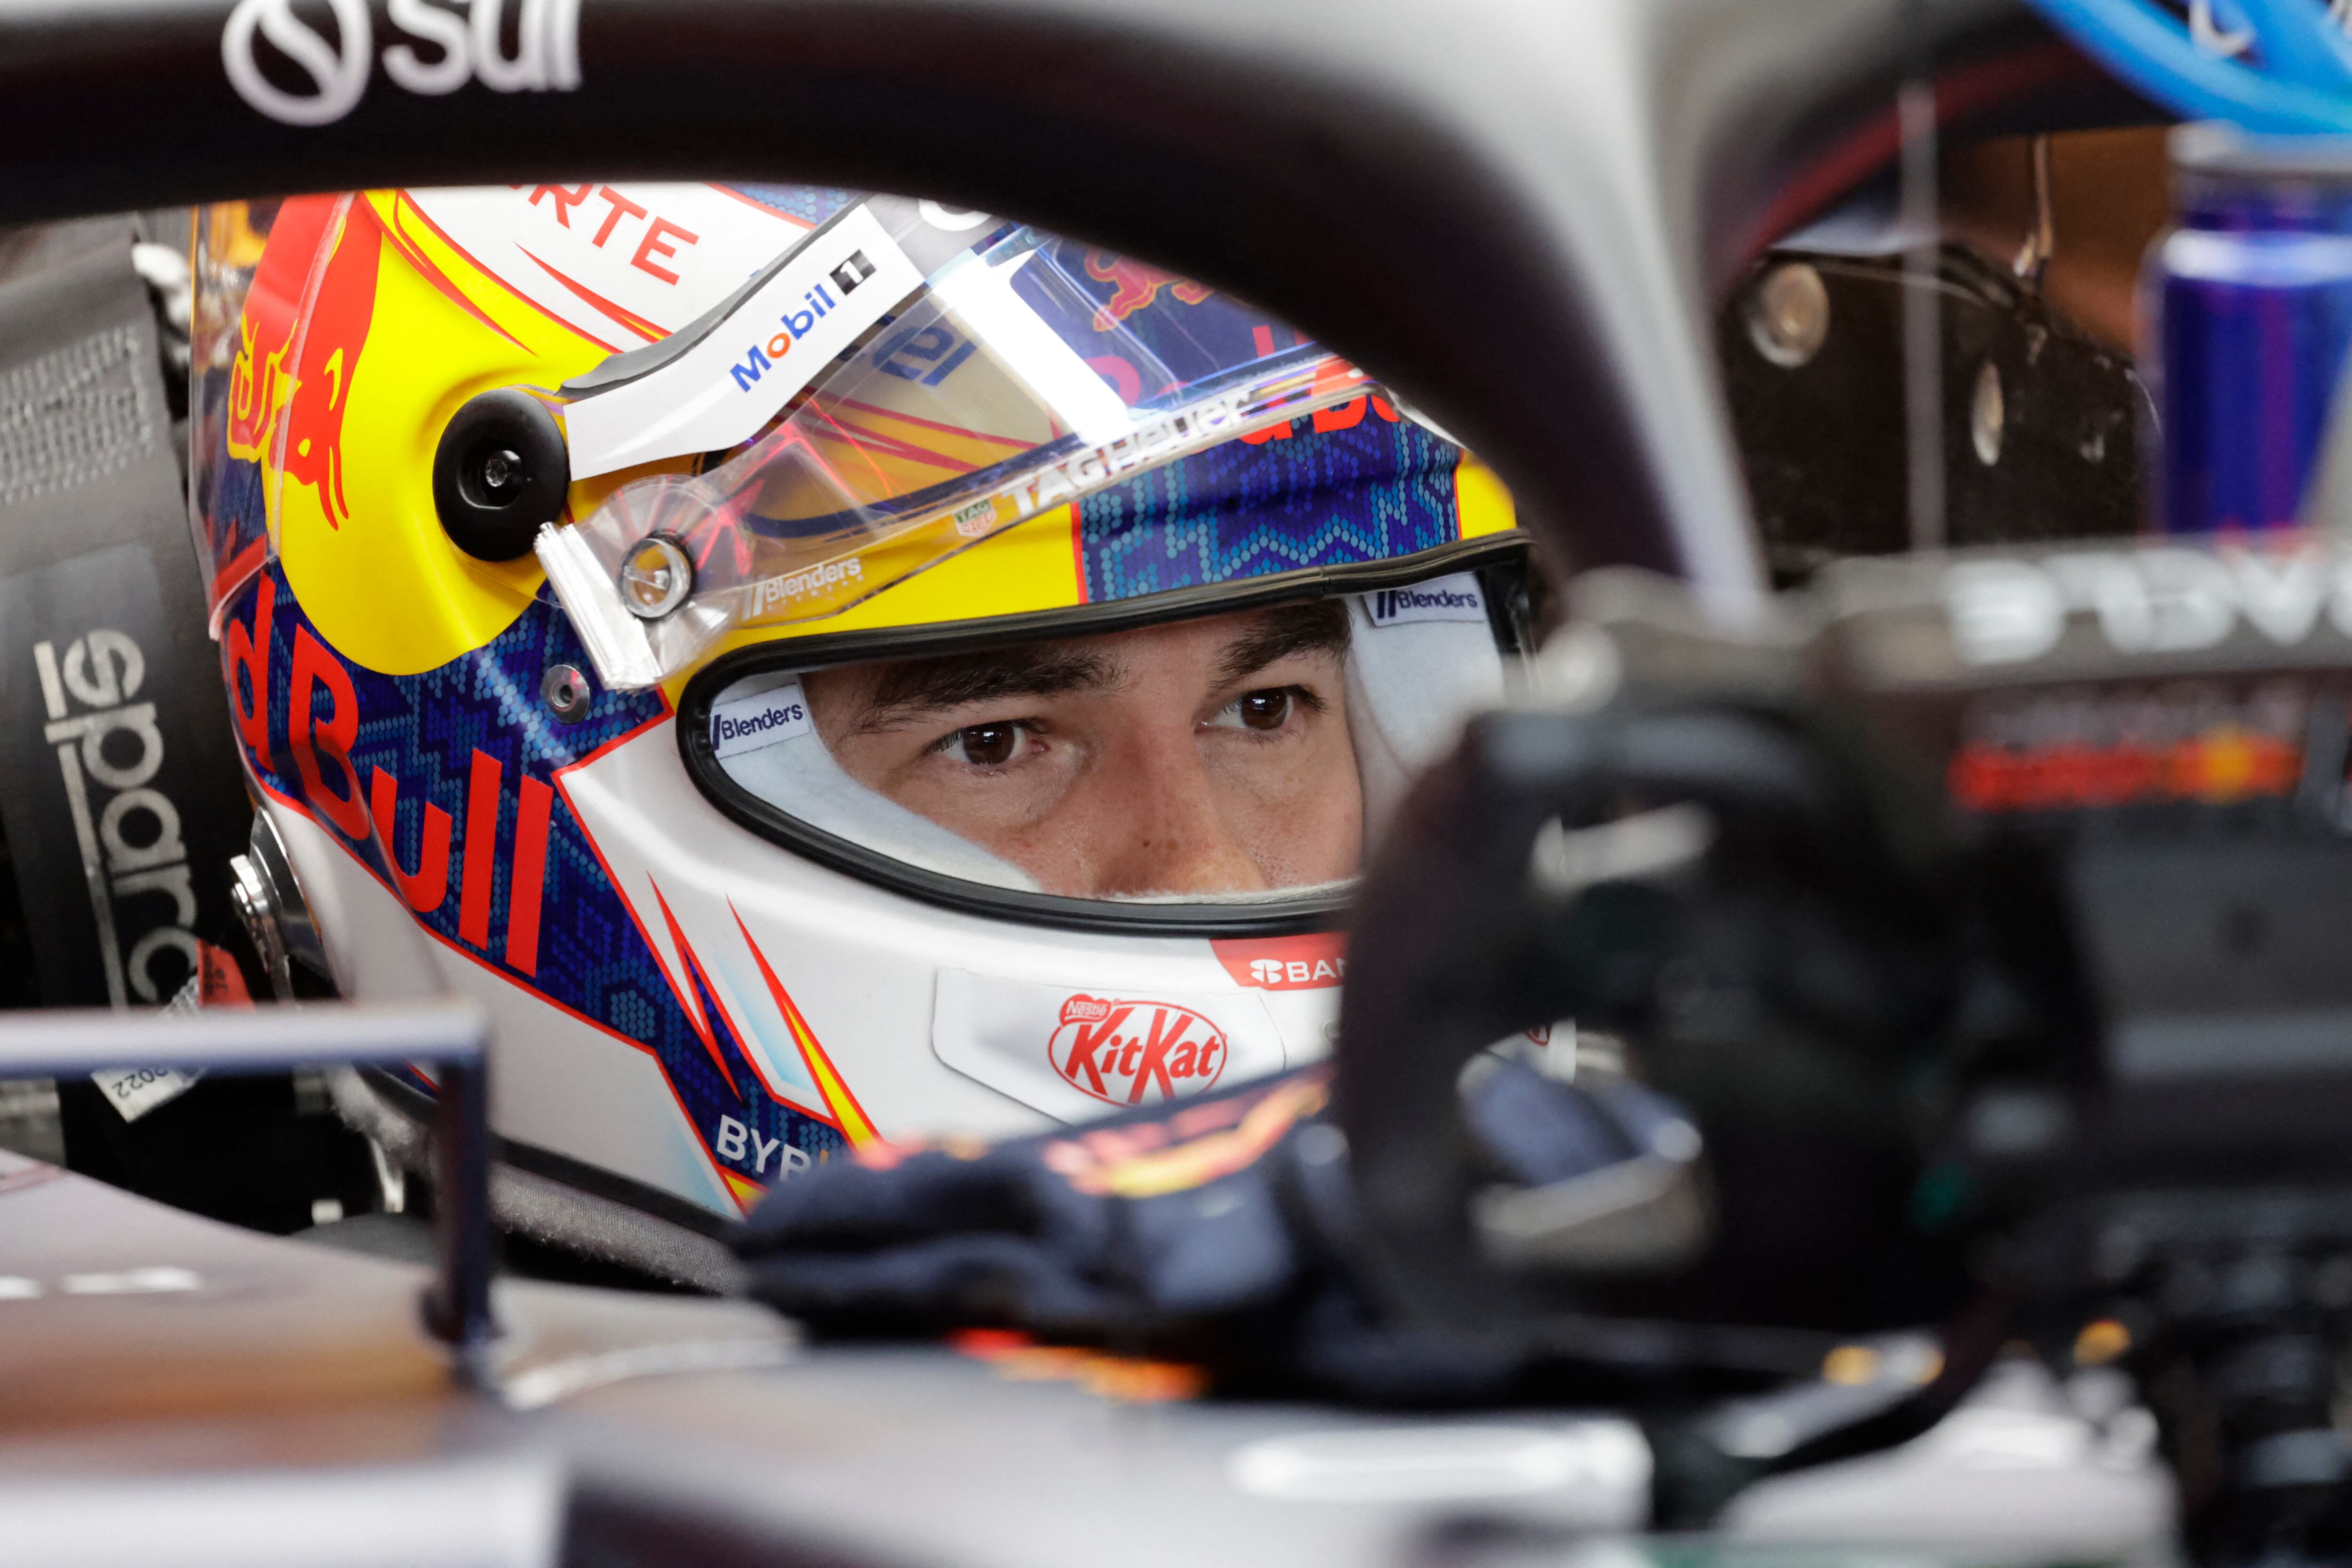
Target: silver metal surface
(479, 1511)
(1988, 415)
(1788, 314)
(257, 909)
(271, 906)
(2041, 237)
(565, 691)
(450, 1036)
(62, 1042)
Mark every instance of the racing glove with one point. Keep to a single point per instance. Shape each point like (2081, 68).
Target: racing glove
(1221, 1229)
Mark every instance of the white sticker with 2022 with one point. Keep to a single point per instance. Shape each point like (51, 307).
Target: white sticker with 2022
(1455, 598)
(135, 1091)
(747, 723)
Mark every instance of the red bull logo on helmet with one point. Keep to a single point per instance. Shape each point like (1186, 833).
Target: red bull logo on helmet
(305, 404)
(329, 360)
(1139, 286)
(1136, 1053)
(261, 381)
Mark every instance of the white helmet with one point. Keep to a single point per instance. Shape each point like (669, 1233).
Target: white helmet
(940, 684)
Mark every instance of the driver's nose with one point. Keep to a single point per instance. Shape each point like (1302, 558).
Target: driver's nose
(1161, 825)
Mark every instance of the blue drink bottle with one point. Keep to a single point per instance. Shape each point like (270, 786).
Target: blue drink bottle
(2247, 303)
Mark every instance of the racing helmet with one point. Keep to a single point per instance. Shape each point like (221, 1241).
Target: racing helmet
(815, 666)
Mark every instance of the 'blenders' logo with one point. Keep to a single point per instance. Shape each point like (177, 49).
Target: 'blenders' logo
(439, 51)
(1455, 598)
(748, 723)
(1136, 1053)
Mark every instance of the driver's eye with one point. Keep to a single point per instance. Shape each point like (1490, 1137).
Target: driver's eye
(988, 746)
(1264, 709)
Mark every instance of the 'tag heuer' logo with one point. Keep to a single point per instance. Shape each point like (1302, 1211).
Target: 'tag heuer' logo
(1136, 1053)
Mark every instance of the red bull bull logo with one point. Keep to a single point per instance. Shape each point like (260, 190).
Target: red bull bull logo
(1139, 286)
(259, 384)
(318, 317)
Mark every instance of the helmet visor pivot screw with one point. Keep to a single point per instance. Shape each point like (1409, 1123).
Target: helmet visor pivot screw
(656, 578)
(502, 473)
(564, 690)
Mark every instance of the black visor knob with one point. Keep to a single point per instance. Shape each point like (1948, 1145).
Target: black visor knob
(501, 472)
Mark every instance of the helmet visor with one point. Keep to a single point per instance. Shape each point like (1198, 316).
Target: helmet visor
(888, 393)
(1222, 770)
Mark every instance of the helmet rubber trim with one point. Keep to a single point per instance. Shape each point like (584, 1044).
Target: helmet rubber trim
(822, 649)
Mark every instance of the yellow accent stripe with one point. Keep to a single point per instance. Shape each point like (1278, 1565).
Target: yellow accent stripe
(837, 1097)
(839, 1102)
(743, 1189)
(1482, 504)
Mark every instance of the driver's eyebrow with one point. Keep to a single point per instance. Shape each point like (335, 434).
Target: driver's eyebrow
(912, 687)
(1317, 628)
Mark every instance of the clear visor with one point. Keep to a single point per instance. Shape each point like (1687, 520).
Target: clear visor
(1240, 759)
(890, 393)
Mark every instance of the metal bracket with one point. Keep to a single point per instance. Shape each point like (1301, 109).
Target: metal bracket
(270, 903)
(452, 1038)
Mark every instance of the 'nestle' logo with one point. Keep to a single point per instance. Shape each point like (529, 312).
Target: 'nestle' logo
(1084, 1009)
(1136, 1053)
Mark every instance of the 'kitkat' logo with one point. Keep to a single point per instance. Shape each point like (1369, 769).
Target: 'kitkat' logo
(1136, 1053)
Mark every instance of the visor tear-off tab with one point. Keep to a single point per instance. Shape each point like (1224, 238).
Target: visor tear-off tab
(615, 640)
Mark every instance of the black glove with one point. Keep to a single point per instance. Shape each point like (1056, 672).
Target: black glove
(1219, 1229)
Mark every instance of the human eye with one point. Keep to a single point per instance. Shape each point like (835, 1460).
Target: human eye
(1265, 710)
(990, 745)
